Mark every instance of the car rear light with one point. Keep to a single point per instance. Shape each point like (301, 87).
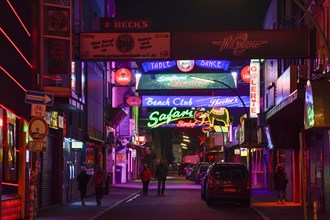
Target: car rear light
(211, 182)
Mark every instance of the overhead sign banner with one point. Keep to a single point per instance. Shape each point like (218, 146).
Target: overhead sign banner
(168, 64)
(185, 81)
(102, 46)
(246, 44)
(195, 101)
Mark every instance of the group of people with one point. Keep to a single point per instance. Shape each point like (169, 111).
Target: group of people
(98, 180)
(280, 181)
(160, 174)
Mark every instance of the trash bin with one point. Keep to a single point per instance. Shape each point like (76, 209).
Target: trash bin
(118, 174)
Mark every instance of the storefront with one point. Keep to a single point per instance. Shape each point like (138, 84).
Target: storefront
(317, 143)
(14, 165)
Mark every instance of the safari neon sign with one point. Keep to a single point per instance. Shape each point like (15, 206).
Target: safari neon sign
(156, 118)
(200, 117)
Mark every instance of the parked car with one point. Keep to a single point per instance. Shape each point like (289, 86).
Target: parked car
(201, 172)
(183, 168)
(195, 169)
(226, 182)
(189, 170)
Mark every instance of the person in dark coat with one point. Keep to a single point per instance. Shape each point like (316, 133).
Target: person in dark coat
(161, 175)
(280, 182)
(83, 179)
(98, 182)
(146, 176)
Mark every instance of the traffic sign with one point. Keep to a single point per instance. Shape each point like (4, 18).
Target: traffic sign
(34, 97)
(38, 110)
(37, 146)
(38, 128)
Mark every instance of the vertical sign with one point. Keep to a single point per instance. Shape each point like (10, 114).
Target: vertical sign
(254, 89)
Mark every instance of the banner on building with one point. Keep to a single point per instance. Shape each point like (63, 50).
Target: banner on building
(100, 46)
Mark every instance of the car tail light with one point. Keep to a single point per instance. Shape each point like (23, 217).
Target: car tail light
(211, 182)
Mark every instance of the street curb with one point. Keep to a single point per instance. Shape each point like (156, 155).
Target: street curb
(114, 205)
(263, 216)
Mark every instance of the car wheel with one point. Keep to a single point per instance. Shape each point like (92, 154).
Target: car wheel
(208, 200)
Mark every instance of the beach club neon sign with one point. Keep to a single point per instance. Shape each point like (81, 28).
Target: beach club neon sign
(185, 65)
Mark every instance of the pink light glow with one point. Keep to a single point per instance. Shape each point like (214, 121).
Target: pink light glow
(4, 33)
(19, 19)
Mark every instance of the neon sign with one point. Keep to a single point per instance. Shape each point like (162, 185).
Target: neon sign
(213, 64)
(158, 65)
(185, 65)
(202, 117)
(309, 106)
(254, 89)
(194, 101)
(184, 81)
(156, 119)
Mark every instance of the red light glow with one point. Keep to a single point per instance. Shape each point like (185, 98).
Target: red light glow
(19, 19)
(55, 78)
(12, 43)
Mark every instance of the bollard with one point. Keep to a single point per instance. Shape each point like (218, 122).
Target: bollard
(315, 210)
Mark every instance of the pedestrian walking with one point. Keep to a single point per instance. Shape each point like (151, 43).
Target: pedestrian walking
(161, 175)
(83, 179)
(98, 182)
(280, 182)
(146, 176)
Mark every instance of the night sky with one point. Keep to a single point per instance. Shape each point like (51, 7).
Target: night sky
(196, 14)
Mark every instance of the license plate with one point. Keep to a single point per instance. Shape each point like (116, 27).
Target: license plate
(229, 190)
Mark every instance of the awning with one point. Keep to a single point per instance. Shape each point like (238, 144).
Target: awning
(117, 115)
(285, 120)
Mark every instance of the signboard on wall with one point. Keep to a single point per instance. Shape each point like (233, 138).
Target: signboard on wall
(100, 46)
(254, 89)
(243, 44)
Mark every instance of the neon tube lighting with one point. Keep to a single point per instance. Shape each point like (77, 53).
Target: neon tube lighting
(19, 19)
(10, 76)
(4, 33)
(7, 109)
(206, 80)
